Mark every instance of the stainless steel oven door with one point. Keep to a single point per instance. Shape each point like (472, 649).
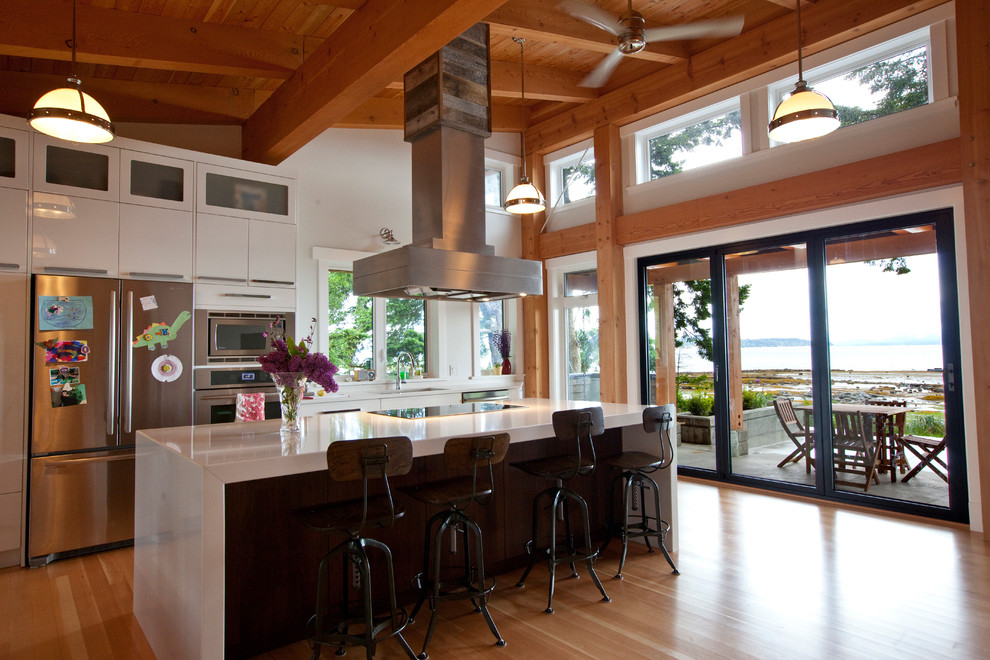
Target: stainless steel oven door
(220, 406)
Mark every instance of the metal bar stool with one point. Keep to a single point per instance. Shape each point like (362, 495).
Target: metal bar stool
(467, 580)
(576, 428)
(636, 466)
(352, 460)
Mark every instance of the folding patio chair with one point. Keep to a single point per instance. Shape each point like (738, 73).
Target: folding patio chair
(802, 438)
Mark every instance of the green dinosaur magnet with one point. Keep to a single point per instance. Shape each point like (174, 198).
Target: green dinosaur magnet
(158, 334)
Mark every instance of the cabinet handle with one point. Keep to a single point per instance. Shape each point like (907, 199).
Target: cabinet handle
(62, 269)
(10, 266)
(164, 276)
(272, 282)
(220, 279)
(246, 295)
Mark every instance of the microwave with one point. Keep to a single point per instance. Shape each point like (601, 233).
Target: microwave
(226, 337)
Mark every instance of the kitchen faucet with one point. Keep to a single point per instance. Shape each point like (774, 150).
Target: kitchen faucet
(398, 366)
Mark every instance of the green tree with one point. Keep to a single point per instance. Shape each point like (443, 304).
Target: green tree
(903, 81)
(664, 149)
(576, 175)
(405, 323)
(349, 319)
(692, 310)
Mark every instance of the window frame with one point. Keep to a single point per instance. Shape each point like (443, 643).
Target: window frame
(846, 64)
(582, 152)
(642, 137)
(558, 306)
(334, 259)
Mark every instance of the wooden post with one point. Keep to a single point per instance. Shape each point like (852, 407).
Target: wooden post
(536, 346)
(734, 344)
(973, 49)
(664, 348)
(611, 277)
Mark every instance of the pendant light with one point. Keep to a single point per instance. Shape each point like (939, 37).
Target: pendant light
(68, 112)
(805, 114)
(525, 197)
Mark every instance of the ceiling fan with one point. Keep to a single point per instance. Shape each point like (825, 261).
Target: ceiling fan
(634, 35)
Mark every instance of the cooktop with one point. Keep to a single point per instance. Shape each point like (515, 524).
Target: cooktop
(445, 411)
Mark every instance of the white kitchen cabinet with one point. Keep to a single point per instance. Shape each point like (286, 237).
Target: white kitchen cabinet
(76, 170)
(155, 243)
(234, 297)
(83, 243)
(14, 229)
(221, 249)
(271, 253)
(244, 194)
(152, 180)
(13, 158)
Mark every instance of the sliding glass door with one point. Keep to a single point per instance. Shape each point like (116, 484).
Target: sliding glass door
(823, 363)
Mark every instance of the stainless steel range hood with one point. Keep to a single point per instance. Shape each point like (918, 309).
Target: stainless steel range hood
(447, 118)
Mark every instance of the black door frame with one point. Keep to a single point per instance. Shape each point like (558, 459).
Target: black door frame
(815, 239)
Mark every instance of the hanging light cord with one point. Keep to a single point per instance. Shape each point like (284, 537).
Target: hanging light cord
(522, 92)
(800, 64)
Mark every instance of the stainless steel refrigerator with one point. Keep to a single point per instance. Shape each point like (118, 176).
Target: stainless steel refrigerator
(110, 357)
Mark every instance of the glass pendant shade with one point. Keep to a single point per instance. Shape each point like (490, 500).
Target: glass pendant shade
(525, 198)
(71, 114)
(803, 115)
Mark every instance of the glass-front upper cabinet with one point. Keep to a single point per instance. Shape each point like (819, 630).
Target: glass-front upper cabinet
(245, 194)
(151, 180)
(76, 170)
(13, 158)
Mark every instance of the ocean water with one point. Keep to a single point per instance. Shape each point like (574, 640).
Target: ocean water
(918, 357)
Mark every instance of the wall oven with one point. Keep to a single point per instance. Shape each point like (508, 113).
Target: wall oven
(216, 390)
(227, 337)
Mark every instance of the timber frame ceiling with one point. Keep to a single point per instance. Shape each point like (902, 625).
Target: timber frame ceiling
(285, 70)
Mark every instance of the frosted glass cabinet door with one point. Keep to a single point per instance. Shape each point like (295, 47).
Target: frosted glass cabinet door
(75, 170)
(85, 243)
(13, 158)
(272, 253)
(13, 228)
(221, 249)
(152, 180)
(155, 243)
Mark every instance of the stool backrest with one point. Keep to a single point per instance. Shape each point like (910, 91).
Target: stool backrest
(657, 420)
(578, 427)
(482, 451)
(371, 458)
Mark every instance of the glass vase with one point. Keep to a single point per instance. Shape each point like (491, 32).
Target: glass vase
(291, 387)
(506, 367)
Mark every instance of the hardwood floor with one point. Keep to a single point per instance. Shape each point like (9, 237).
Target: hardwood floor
(761, 577)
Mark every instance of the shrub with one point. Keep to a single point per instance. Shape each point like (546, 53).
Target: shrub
(929, 425)
(753, 399)
(697, 404)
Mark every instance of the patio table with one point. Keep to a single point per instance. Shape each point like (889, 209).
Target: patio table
(888, 442)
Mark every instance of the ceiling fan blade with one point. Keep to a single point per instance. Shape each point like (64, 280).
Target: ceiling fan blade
(719, 27)
(603, 71)
(594, 15)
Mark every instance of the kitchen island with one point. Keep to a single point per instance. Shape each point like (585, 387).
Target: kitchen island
(223, 569)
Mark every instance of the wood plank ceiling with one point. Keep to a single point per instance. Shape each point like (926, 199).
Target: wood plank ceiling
(285, 70)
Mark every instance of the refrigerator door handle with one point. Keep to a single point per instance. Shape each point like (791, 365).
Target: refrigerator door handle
(75, 462)
(112, 366)
(129, 362)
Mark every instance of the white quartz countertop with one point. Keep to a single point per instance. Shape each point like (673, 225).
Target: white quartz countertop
(243, 451)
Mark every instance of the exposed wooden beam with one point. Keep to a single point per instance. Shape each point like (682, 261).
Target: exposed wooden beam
(377, 44)
(906, 171)
(387, 113)
(40, 28)
(757, 51)
(540, 20)
(573, 240)
(535, 313)
(130, 101)
(972, 26)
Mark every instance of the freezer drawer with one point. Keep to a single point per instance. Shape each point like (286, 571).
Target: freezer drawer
(79, 501)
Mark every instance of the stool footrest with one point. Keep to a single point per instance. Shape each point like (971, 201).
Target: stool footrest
(339, 634)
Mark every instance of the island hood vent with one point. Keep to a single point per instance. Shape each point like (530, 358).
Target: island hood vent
(447, 118)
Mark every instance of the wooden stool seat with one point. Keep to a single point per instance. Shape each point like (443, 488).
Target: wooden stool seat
(347, 516)
(459, 490)
(634, 460)
(551, 466)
